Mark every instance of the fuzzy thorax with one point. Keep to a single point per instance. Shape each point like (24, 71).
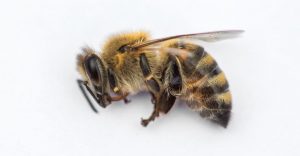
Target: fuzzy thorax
(114, 42)
(126, 65)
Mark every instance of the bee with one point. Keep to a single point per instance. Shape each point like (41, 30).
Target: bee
(169, 68)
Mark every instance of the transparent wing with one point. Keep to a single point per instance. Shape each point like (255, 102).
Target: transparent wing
(206, 36)
(216, 35)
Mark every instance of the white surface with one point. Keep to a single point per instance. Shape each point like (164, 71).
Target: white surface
(42, 111)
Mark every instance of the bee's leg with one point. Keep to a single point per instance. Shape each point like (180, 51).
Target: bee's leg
(153, 86)
(162, 100)
(166, 102)
(152, 83)
(152, 98)
(163, 104)
(119, 97)
(152, 117)
(113, 85)
(173, 76)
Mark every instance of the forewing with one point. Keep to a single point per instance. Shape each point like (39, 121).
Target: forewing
(206, 36)
(215, 35)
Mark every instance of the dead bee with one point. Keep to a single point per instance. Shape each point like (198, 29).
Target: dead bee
(169, 68)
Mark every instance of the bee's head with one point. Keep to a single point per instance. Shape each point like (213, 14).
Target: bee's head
(93, 71)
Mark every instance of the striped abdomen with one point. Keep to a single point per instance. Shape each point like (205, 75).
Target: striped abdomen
(206, 86)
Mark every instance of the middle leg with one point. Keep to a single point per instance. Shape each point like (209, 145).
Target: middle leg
(163, 101)
(153, 86)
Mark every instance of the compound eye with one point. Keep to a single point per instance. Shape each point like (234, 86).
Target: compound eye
(91, 65)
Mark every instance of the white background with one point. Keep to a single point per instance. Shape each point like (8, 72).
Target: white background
(42, 111)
